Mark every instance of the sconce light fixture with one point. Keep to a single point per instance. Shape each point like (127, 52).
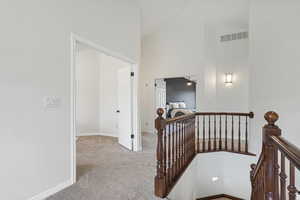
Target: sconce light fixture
(228, 78)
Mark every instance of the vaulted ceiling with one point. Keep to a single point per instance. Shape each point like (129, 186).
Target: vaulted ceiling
(157, 13)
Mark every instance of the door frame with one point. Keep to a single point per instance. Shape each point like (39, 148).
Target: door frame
(137, 143)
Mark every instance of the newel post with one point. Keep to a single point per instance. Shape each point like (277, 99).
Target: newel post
(160, 179)
(271, 157)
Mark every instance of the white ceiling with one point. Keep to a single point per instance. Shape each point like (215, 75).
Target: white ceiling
(157, 13)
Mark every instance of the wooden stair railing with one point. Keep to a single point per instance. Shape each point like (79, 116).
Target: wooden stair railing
(175, 150)
(179, 139)
(269, 176)
(223, 131)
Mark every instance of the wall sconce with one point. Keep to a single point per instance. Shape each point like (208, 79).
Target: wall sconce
(228, 78)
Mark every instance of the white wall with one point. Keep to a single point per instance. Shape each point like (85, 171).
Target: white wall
(98, 92)
(35, 62)
(186, 187)
(197, 181)
(274, 62)
(191, 46)
(232, 57)
(88, 95)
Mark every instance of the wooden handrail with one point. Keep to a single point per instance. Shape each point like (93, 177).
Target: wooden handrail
(268, 177)
(255, 167)
(290, 150)
(175, 150)
(223, 131)
(250, 114)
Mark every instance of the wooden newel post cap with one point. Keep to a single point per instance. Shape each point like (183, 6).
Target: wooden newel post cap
(160, 112)
(271, 117)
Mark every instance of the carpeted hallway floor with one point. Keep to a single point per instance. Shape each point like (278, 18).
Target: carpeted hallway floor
(106, 171)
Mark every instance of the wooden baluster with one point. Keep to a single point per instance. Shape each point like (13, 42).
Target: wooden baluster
(276, 172)
(291, 188)
(173, 154)
(175, 151)
(209, 135)
(283, 177)
(160, 181)
(226, 146)
(180, 145)
(203, 142)
(215, 134)
(246, 135)
(271, 154)
(169, 155)
(220, 133)
(232, 133)
(165, 153)
(184, 143)
(194, 135)
(251, 116)
(239, 147)
(193, 146)
(198, 134)
(253, 182)
(189, 139)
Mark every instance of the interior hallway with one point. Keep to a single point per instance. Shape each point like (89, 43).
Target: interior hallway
(106, 171)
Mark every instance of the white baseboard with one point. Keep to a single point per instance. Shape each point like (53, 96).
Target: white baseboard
(91, 134)
(148, 131)
(52, 191)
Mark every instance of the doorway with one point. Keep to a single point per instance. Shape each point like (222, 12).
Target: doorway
(103, 95)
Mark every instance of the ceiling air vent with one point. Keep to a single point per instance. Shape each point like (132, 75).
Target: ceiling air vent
(234, 36)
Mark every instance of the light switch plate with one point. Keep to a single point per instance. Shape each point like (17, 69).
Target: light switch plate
(52, 102)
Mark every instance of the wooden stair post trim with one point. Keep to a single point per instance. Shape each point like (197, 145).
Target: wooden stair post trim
(160, 178)
(271, 153)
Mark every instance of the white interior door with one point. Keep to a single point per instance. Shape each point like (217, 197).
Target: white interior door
(125, 107)
(160, 95)
(161, 98)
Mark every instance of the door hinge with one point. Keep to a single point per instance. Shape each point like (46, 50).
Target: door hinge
(132, 138)
(132, 74)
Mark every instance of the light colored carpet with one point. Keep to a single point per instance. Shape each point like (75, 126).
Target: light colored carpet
(106, 171)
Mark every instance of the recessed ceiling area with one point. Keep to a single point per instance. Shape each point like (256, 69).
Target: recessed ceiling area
(157, 13)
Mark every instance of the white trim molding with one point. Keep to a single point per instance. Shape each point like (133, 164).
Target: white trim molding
(52, 191)
(136, 123)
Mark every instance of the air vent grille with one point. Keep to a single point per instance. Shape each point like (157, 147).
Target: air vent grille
(234, 36)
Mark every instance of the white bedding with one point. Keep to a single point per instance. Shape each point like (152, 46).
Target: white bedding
(185, 111)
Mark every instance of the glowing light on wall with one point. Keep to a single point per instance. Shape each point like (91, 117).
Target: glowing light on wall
(228, 78)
